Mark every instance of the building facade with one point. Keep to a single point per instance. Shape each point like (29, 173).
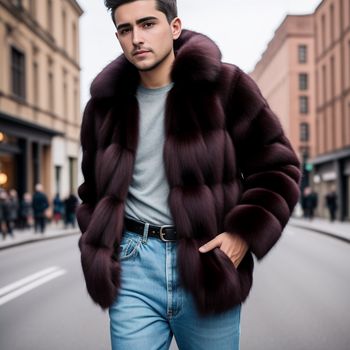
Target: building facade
(286, 75)
(332, 51)
(39, 95)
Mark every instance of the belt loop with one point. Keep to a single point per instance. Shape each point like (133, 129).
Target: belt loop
(145, 232)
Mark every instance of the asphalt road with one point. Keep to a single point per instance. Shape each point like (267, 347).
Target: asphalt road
(300, 299)
(301, 295)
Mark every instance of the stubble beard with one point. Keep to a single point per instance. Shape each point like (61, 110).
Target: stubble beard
(156, 64)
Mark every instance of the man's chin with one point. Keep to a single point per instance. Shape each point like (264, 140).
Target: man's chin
(146, 67)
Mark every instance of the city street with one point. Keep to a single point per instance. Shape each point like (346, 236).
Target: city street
(149, 111)
(300, 299)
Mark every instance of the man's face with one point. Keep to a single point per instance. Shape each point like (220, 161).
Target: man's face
(144, 34)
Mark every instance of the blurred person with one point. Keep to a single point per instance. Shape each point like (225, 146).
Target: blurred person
(7, 214)
(2, 213)
(331, 203)
(70, 205)
(187, 174)
(12, 210)
(26, 211)
(309, 202)
(40, 204)
(58, 209)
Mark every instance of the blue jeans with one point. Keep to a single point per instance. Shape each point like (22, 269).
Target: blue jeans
(151, 306)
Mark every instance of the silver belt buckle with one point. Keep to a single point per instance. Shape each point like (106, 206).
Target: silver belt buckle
(162, 234)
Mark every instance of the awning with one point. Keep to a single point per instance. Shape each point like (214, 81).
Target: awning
(25, 129)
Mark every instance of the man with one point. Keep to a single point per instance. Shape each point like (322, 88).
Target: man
(40, 204)
(70, 206)
(331, 203)
(187, 174)
(309, 202)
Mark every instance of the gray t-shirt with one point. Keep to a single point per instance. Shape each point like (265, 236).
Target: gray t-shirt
(148, 192)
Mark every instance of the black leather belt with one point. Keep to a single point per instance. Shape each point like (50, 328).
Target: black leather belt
(166, 233)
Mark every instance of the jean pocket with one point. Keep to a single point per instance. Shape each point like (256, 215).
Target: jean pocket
(221, 255)
(129, 246)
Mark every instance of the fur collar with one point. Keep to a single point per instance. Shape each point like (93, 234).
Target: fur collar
(197, 60)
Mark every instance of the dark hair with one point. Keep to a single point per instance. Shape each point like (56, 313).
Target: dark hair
(168, 7)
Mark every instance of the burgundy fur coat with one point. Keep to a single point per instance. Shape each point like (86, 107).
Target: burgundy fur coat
(228, 163)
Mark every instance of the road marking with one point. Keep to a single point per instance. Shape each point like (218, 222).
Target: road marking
(26, 284)
(27, 280)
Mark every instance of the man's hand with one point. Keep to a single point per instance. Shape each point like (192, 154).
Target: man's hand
(231, 244)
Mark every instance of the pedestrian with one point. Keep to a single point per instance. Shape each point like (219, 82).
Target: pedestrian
(70, 205)
(40, 204)
(309, 203)
(13, 208)
(331, 203)
(7, 214)
(1, 213)
(187, 175)
(58, 209)
(26, 211)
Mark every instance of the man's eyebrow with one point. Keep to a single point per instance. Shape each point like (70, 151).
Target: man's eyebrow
(145, 19)
(139, 21)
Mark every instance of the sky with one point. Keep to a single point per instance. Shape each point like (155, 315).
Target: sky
(241, 28)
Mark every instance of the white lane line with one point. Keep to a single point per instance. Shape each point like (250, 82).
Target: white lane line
(27, 280)
(30, 286)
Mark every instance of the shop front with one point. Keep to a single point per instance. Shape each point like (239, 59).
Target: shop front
(332, 173)
(25, 154)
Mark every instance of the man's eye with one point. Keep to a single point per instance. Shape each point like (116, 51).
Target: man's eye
(124, 31)
(148, 25)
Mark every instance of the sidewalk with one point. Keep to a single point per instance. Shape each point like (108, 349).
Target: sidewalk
(28, 235)
(336, 229)
(339, 230)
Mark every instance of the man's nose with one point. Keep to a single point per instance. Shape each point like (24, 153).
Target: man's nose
(137, 37)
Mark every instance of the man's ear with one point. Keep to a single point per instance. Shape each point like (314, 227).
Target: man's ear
(176, 27)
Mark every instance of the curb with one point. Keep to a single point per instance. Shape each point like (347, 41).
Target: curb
(330, 234)
(38, 239)
(61, 235)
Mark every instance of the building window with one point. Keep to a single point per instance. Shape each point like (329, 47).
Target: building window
(35, 84)
(323, 32)
(75, 41)
(317, 88)
(18, 73)
(64, 29)
(32, 9)
(304, 104)
(324, 83)
(348, 65)
(49, 17)
(76, 101)
(302, 53)
(65, 95)
(303, 81)
(304, 132)
(72, 174)
(332, 22)
(51, 92)
(332, 77)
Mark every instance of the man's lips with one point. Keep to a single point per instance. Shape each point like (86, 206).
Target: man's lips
(140, 52)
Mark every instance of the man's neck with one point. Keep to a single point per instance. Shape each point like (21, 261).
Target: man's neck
(159, 76)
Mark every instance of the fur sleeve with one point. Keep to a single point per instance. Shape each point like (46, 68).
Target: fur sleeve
(87, 190)
(270, 170)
